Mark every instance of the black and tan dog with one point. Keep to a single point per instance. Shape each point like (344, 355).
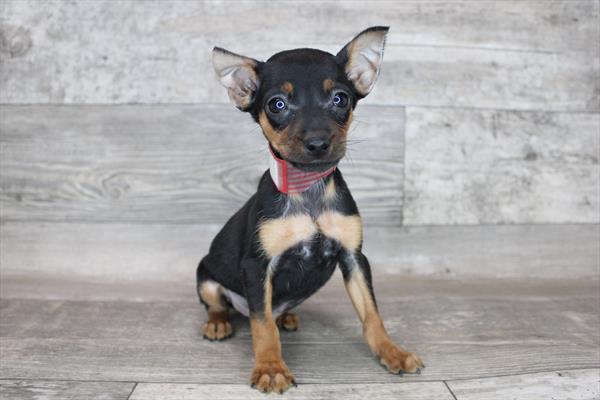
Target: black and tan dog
(285, 242)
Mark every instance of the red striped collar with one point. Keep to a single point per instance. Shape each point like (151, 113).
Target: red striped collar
(291, 180)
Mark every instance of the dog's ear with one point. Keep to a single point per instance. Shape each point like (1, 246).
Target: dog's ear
(238, 74)
(362, 57)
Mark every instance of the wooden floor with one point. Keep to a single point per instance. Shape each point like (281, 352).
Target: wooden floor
(480, 339)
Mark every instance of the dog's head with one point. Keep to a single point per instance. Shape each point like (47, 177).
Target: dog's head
(303, 99)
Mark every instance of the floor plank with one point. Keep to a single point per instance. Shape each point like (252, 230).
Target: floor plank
(171, 252)
(404, 391)
(63, 390)
(171, 164)
(485, 331)
(560, 385)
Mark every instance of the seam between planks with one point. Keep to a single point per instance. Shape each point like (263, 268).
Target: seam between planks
(311, 383)
(450, 390)
(135, 386)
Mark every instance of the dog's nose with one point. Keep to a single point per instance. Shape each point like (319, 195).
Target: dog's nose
(316, 146)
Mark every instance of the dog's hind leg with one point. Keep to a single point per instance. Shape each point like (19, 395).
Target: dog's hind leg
(217, 327)
(288, 322)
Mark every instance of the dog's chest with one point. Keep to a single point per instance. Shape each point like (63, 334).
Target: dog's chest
(307, 247)
(308, 234)
(303, 269)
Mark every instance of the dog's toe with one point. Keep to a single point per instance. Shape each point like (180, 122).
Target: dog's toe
(217, 330)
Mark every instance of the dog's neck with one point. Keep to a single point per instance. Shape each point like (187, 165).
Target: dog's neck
(292, 180)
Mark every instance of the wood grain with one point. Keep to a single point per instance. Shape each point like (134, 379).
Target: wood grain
(404, 391)
(488, 332)
(63, 390)
(578, 384)
(501, 54)
(190, 164)
(127, 253)
(478, 167)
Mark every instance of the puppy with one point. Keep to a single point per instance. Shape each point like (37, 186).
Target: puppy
(286, 241)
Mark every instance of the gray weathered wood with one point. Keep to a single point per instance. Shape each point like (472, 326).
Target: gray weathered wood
(573, 385)
(61, 390)
(486, 330)
(191, 164)
(477, 78)
(473, 167)
(504, 54)
(404, 391)
(42, 286)
(169, 252)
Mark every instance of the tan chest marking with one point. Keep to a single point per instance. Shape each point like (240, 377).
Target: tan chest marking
(346, 229)
(278, 235)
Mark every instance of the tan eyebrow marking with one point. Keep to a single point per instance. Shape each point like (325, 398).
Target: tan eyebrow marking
(328, 84)
(287, 87)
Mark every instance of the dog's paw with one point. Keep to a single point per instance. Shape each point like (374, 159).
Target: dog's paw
(288, 322)
(272, 376)
(397, 360)
(217, 329)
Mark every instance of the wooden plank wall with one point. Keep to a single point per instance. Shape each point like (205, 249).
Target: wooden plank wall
(486, 112)
(501, 98)
(177, 164)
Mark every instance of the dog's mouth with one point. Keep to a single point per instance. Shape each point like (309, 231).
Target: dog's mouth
(307, 166)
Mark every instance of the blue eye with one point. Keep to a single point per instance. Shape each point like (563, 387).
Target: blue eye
(277, 105)
(340, 99)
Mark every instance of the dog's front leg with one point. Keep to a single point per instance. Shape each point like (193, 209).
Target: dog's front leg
(270, 372)
(357, 279)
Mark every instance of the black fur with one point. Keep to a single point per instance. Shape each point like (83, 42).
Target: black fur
(237, 262)
(236, 259)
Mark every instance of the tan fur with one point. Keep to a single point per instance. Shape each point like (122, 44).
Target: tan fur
(287, 87)
(330, 192)
(212, 294)
(290, 145)
(270, 372)
(288, 322)
(338, 141)
(278, 235)
(360, 296)
(217, 327)
(394, 357)
(279, 140)
(346, 229)
(268, 299)
(328, 85)
(347, 124)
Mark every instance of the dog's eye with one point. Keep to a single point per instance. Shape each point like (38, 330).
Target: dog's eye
(277, 105)
(340, 99)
